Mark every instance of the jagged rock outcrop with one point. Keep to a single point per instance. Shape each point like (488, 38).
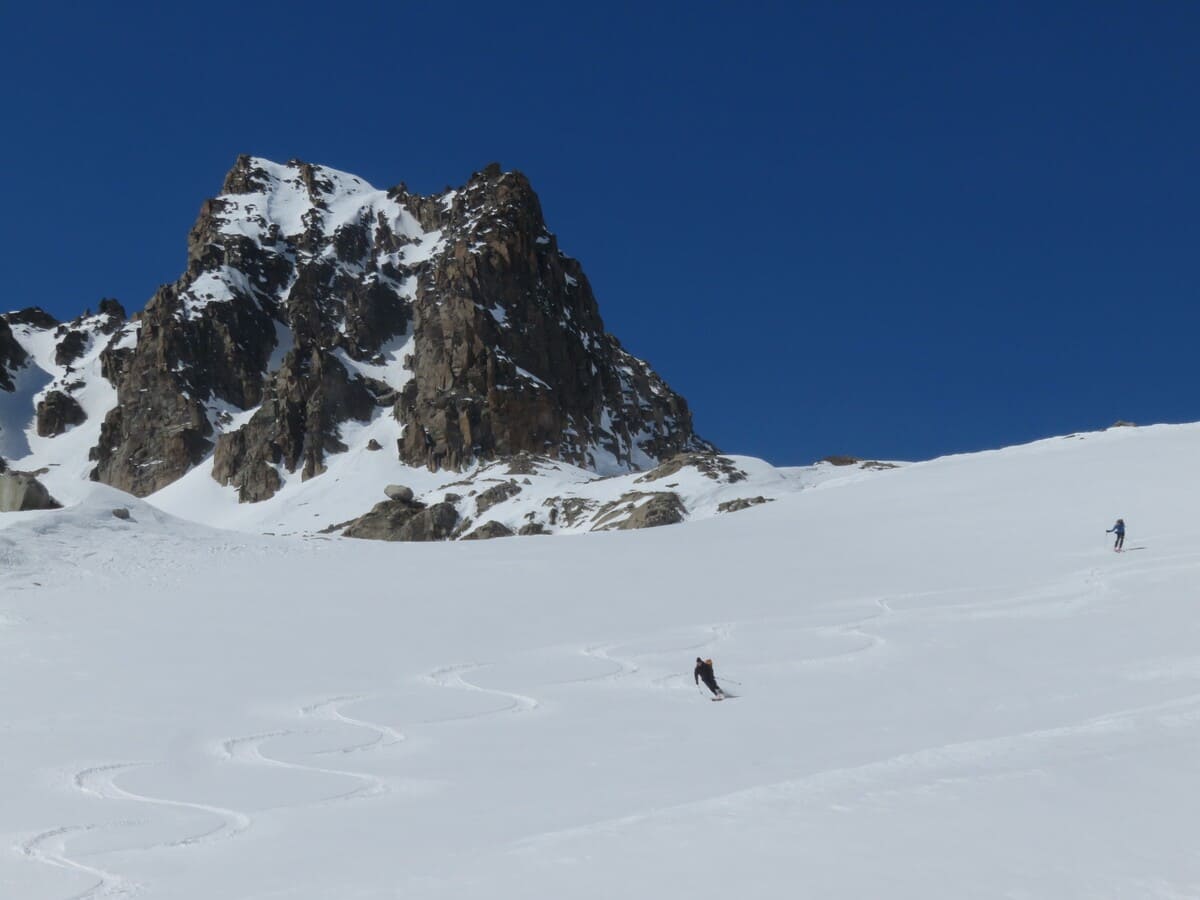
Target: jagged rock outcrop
(568, 510)
(57, 412)
(295, 426)
(710, 465)
(114, 313)
(487, 531)
(636, 509)
(740, 503)
(661, 509)
(497, 493)
(33, 316)
(160, 427)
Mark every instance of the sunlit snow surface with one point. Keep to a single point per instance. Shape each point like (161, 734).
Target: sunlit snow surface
(950, 687)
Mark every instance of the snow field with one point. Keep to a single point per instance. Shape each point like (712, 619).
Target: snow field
(950, 686)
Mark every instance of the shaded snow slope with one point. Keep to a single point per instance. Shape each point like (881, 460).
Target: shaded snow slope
(949, 686)
(65, 457)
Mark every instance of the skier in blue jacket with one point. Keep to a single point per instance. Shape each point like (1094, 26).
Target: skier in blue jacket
(1119, 531)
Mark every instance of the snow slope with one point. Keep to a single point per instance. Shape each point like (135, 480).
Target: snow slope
(355, 480)
(950, 686)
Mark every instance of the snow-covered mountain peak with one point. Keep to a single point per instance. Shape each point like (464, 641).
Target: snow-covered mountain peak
(320, 317)
(264, 200)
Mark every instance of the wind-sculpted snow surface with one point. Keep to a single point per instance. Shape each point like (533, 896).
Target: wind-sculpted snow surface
(948, 685)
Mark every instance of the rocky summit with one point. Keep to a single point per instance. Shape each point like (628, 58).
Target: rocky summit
(311, 299)
(331, 344)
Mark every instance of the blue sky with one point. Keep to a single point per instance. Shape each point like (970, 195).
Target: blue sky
(889, 230)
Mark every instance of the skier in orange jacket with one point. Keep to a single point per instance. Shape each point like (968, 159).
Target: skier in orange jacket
(704, 670)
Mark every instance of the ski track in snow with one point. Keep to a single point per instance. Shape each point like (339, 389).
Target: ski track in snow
(626, 666)
(1003, 754)
(452, 677)
(855, 630)
(621, 666)
(50, 848)
(331, 710)
(601, 653)
(248, 749)
(100, 781)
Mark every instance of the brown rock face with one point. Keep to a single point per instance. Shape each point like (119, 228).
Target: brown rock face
(160, 427)
(511, 353)
(295, 427)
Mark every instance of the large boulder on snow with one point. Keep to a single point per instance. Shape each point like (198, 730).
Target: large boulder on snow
(20, 492)
(57, 412)
(400, 492)
(395, 520)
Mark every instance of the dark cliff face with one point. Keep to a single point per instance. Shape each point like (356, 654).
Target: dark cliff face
(511, 353)
(12, 356)
(160, 426)
(311, 299)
